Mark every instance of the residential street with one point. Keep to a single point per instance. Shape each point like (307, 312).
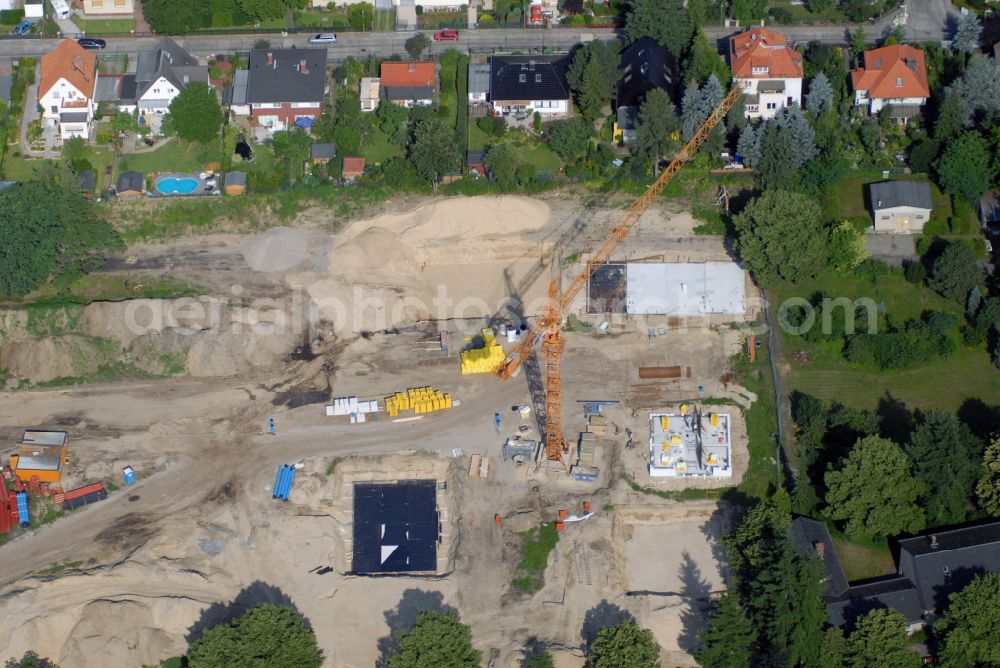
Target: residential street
(926, 20)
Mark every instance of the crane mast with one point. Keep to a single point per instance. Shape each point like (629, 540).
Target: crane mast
(546, 329)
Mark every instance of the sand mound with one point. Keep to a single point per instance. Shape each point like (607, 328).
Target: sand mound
(43, 360)
(278, 249)
(454, 258)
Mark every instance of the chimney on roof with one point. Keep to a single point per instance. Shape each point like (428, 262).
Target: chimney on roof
(411, 67)
(820, 548)
(303, 66)
(270, 58)
(934, 542)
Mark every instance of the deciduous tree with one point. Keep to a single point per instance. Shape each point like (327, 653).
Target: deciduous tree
(666, 21)
(988, 487)
(570, 138)
(880, 641)
(434, 151)
(875, 491)
(967, 630)
(502, 164)
(261, 10)
(956, 271)
(623, 645)
(196, 113)
(847, 247)
(437, 640)
(964, 168)
(48, 229)
(267, 635)
(416, 45)
(780, 236)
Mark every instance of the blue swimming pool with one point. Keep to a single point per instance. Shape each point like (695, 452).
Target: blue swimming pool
(173, 185)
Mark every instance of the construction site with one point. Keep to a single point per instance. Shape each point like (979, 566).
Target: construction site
(379, 424)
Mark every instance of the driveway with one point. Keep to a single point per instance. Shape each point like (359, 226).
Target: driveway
(891, 248)
(931, 20)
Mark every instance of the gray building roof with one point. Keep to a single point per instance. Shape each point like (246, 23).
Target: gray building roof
(890, 194)
(128, 91)
(407, 92)
(897, 593)
(931, 568)
(87, 180)
(278, 75)
(108, 89)
(479, 78)
(475, 157)
(322, 151)
(238, 89)
(131, 181)
(73, 117)
(941, 563)
(812, 536)
(41, 437)
(235, 179)
(627, 117)
(528, 78)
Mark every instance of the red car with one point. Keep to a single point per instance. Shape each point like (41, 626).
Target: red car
(446, 36)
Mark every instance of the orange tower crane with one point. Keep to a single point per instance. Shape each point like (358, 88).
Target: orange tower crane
(547, 328)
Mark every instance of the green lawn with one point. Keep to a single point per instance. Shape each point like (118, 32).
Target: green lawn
(477, 138)
(174, 156)
(541, 157)
(23, 169)
(378, 148)
(849, 200)
(98, 27)
(943, 383)
(861, 562)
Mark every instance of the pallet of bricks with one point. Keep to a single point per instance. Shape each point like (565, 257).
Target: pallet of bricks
(419, 399)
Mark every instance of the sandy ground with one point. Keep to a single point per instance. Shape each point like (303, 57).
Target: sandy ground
(198, 537)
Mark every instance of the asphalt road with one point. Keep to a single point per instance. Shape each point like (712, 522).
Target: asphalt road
(926, 20)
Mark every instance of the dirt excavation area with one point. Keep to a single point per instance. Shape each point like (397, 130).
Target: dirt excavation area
(207, 397)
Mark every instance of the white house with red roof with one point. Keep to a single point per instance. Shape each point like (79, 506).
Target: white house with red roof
(769, 72)
(66, 89)
(892, 76)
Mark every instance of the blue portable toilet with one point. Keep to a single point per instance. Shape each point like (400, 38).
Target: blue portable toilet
(129, 474)
(22, 509)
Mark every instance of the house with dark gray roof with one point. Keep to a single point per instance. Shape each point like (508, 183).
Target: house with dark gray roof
(931, 568)
(900, 207)
(286, 87)
(160, 76)
(130, 184)
(645, 65)
(813, 537)
(527, 84)
(322, 152)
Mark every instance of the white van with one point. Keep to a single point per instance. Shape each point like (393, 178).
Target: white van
(61, 8)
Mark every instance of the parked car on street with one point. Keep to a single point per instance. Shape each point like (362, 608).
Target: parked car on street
(323, 38)
(91, 43)
(23, 28)
(446, 35)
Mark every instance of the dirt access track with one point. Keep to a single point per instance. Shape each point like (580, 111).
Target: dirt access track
(198, 538)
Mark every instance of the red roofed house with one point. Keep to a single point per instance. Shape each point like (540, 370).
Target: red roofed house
(407, 84)
(66, 90)
(769, 72)
(893, 76)
(353, 168)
